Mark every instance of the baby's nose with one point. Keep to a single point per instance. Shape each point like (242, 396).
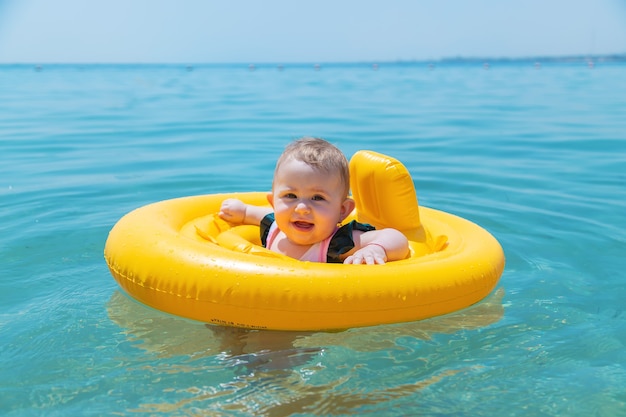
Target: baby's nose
(302, 207)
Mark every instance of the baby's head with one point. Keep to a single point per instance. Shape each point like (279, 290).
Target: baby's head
(320, 155)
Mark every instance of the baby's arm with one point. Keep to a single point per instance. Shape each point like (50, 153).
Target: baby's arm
(237, 212)
(378, 247)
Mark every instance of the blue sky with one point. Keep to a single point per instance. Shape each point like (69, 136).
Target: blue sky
(280, 31)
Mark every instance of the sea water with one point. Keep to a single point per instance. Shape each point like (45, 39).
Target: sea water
(534, 154)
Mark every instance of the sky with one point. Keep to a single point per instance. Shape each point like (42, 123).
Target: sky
(294, 31)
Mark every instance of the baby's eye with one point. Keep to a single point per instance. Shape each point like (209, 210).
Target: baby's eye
(318, 198)
(290, 195)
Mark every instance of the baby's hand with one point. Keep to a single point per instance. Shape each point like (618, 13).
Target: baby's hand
(369, 254)
(233, 211)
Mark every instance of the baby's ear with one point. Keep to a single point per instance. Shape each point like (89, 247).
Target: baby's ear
(270, 198)
(346, 208)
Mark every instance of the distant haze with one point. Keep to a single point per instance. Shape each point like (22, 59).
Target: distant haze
(249, 31)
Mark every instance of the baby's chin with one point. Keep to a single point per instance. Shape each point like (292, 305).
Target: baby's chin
(302, 236)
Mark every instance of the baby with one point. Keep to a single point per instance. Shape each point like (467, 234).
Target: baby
(309, 199)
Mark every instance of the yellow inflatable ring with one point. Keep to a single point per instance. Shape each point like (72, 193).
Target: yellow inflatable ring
(178, 257)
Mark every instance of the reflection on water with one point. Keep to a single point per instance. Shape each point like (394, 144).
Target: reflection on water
(275, 373)
(167, 335)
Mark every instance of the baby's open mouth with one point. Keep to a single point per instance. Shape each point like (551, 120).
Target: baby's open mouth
(303, 225)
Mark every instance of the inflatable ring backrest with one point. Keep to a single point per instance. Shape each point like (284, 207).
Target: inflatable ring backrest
(384, 193)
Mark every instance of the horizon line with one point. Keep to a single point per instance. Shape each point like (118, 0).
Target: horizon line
(612, 57)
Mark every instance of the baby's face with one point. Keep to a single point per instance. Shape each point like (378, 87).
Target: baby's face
(307, 203)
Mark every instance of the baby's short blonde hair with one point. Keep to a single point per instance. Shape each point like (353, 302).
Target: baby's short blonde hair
(321, 155)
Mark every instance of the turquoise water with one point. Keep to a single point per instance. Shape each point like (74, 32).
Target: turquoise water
(536, 156)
